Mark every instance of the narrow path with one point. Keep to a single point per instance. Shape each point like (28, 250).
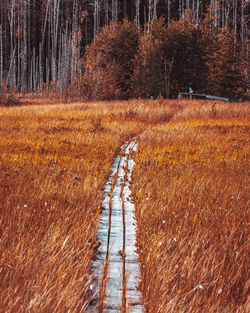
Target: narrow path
(116, 268)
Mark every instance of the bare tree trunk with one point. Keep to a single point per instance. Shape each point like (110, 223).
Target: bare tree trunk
(29, 48)
(45, 22)
(97, 17)
(54, 22)
(60, 65)
(47, 76)
(24, 53)
(79, 73)
(245, 19)
(106, 10)
(149, 11)
(34, 70)
(244, 5)
(155, 9)
(181, 9)
(214, 6)
(197, 11)
(48, 52)
(11, 73)
(8, 78)
(74, 42)
(40, 68)
(137, 13)
(235, 8)
(167, 75)
(19, 53)
(227, 10)
(222, 13)
(169, 11)
(149, 14)
(1, 55)
(125, 15)
(247, 64)
(114, 10)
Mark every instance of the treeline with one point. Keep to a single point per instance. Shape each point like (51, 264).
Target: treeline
(110, 49)
(163, 60)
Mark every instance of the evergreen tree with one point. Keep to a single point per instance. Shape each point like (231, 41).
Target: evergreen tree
(225, 66)
(185, 45)
(110, 60)
(149, 72)
(41, 39)
(170, 59)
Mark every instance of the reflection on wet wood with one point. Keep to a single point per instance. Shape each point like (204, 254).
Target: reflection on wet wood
(116, 268)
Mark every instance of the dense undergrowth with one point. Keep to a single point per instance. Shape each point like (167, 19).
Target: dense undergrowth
(190, 192)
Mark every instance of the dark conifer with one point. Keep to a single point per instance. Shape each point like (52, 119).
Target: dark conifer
(110, 61)
(225, 66)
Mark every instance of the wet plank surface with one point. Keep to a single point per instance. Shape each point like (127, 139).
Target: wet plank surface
(117, 256)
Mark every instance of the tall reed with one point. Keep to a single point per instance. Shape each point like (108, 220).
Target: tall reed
(190, 187)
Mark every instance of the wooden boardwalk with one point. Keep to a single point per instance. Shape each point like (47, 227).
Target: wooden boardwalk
(192, 95)
(117, 269)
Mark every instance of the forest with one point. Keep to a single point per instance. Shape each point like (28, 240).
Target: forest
(69, 157)
(113, 49)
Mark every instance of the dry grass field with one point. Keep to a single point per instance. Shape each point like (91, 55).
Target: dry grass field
(191, 193)
(54, 161)
(189, 186)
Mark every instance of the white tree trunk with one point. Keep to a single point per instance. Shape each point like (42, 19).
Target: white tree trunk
(137, 12)
(247, 64)
(24, 53)
(197, 11)
(114, 10)
(169, 11)
(1, 55)
(12, 72)
(235, 8)
(96, 17)
(155, 9)
(40, 68)
(106, 10)
(54, 22)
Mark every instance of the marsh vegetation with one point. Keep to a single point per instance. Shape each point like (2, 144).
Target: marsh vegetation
(190, 190)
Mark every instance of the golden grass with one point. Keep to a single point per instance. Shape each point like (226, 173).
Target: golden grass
(189, 189)
(191, 193)
(54, 162)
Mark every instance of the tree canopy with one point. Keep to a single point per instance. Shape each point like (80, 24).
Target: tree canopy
(139, 48)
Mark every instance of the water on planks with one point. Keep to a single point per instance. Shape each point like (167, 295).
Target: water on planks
(121, 271)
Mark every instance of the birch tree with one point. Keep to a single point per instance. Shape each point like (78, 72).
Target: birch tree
(155, 9)
(1, 55)
(169, 11)
(11, 73)
(97, 17)
(245, 21)
(24, 60)
(114, 10)
(106, 11)
(137, 12)
(54, 32)
(42, 40)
